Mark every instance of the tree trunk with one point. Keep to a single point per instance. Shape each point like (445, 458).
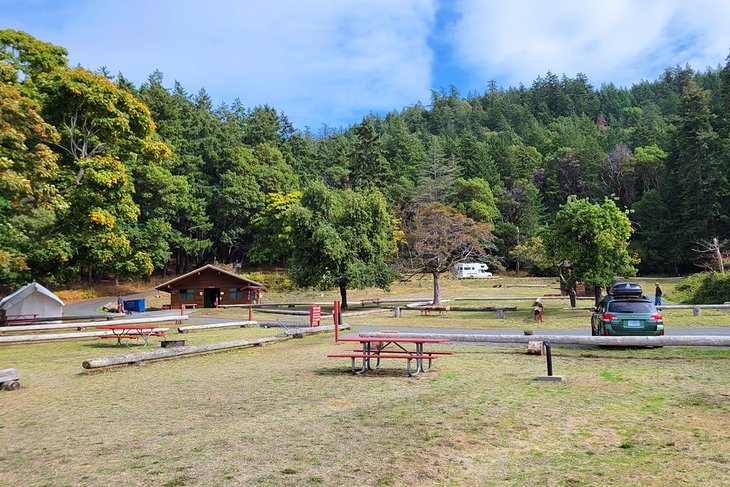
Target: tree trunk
(718, 255)
(597, 293)
(436, 287)
(343, 297)
(571, 293)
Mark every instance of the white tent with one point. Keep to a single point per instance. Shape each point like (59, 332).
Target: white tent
(32, 299)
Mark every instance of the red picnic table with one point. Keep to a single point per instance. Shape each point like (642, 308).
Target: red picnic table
(375, 349)
(131, 332)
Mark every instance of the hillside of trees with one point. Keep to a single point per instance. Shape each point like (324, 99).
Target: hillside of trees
(100, 178)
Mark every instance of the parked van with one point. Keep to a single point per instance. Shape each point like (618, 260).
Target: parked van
(473, 270)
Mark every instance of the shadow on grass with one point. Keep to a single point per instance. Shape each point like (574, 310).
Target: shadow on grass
(381, 372)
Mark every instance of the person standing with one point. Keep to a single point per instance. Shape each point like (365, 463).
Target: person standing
(657, 295)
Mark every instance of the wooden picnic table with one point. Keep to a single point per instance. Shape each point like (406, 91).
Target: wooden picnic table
(131, 332)
(372, 350)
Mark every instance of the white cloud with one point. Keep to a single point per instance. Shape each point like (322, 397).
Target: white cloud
(317, 61)
(620, 41)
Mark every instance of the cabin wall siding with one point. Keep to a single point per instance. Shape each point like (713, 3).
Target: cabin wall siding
(207, 279)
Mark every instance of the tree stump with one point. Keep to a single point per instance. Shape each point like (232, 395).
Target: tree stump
(9, 380)
(534, 348)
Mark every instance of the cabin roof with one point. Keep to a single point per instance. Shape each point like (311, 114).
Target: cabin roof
(249, 282)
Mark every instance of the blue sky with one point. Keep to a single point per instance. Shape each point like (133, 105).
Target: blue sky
(331, 62)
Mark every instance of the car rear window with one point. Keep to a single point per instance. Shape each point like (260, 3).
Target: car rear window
(631, 307)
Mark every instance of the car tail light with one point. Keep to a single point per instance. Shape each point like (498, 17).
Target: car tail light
(605, 331)
(656, 317)
(609, 316)
(661, 332)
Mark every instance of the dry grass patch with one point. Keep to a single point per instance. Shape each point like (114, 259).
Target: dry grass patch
(287, 415)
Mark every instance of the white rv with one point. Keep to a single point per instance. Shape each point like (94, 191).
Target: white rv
(473, 270)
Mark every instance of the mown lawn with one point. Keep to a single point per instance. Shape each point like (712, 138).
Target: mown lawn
(285, 414)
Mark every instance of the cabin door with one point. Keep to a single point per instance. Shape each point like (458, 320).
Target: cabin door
(209, 297)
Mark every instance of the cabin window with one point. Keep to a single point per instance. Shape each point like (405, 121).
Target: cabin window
(235, 293)
(187, 295)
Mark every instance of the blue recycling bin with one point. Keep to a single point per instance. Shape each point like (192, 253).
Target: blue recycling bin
(136, 305)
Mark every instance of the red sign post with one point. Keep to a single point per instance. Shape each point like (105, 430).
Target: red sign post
(315, 315)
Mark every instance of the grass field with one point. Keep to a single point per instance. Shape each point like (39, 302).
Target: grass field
(285, 414)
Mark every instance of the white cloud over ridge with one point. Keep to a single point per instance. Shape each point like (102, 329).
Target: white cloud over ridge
(619, 41)
(333, 61)
(317, 61)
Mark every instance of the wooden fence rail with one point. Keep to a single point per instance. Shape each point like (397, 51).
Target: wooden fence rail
(624, 341)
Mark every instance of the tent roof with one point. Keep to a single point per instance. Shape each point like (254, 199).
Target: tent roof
(163, 286)
(25, 291)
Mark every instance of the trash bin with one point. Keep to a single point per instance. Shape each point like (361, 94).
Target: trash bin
(136, 305)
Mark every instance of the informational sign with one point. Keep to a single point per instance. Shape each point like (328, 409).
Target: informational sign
(315, 315)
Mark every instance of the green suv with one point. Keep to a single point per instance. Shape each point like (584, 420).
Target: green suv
(626, 312)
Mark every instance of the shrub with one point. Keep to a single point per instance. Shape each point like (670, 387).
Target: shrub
(705, 288)
(274, 281)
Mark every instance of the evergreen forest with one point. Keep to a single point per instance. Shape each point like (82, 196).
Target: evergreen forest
(103, 179)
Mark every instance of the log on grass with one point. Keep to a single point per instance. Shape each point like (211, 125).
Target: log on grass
(288, 312)
(66, 336)
(313, 330)
(283, 324)
(228, 324)
(9, 380)
(7, 375)
(617, 341)
(521, 298)
(483, 308)
(163, 353)
(91, 324)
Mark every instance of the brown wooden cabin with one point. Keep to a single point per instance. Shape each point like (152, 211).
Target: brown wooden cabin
(209, 286)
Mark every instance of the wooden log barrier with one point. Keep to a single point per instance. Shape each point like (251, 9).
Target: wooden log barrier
(313, 330)
(483, 308)
(91, 324)
(163, 353)
(64, 336)
(231, 324)
(656, 341)
(9, 380)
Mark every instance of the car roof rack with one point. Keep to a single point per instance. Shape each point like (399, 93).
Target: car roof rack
(626, 290)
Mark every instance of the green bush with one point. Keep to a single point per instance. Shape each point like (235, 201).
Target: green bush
(278, 282)
(705, 288)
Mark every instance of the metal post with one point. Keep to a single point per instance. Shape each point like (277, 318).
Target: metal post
(336, 315)
(182, 310)
(250, 313)
(549, 355)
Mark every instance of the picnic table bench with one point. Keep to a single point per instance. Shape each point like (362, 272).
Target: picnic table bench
(132, 332)
(25, 319)
(373, 350)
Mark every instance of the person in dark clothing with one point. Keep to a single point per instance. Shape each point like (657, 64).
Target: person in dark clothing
(657, 295)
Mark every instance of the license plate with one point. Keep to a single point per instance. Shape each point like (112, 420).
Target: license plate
(633, 324)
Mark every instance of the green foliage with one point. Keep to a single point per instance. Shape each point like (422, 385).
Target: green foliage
(705, 288)
(278, 282)
(474, 198)
(28, 55)
(272, 229)
(341, 238)
(589, 242)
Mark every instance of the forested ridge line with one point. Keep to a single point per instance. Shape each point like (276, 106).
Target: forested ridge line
(102, 178)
